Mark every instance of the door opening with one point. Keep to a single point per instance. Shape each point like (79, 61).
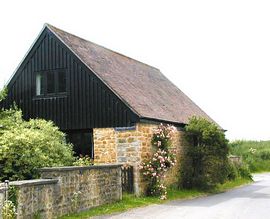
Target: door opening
(82, 140)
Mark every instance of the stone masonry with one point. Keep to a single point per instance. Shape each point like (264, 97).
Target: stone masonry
(131, 147)
(64, 190)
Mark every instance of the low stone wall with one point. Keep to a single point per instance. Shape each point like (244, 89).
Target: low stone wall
(131, 146)
(235, 159)
(63, 190)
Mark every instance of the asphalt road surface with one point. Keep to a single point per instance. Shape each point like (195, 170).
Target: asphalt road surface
(248, 202)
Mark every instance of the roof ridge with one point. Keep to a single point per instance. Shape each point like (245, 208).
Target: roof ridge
(141, 93)
(118, 53)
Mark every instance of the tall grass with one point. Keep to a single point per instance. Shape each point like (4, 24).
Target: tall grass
(255, 153)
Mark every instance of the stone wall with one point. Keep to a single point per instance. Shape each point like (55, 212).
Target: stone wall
(105, 152)
(36, 198)
(68, 189)
(2, 197)
(131, 146)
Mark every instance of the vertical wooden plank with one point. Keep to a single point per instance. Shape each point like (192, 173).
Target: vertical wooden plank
(75, 95)
(87, 99)
(25, 88)
(42, 55)
(60, 57)
(84, 98)
(64, 58)
(103, 106)
(80, 103)
(53, 53)
(92, 102)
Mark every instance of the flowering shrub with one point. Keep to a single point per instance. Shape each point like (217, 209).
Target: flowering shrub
(8, 210)
(162, 160)
(26, 146)
(252, 150)
(83, 161)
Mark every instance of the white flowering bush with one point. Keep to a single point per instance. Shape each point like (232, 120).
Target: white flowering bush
(252, 150)
(83, 161)
(26, 146)
(8, 210)
(162, 160)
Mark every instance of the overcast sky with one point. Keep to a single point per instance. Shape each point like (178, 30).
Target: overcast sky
(217, 52)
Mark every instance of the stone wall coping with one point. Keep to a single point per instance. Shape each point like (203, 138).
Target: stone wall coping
(234, 156)
(73, 168)
(33, 182)
(2, 189)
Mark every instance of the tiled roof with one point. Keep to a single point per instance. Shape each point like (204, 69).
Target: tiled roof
(142, 87)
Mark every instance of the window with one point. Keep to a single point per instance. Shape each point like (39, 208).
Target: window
(51, 88)
(51, 82)
(40, 84)
(62, 81)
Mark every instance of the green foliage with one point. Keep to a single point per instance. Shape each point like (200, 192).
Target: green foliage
(256, 154)
(244, 171)
(83, 161)
(8, 210)
(238, 170)
(26, 146)
(233, 172)
(9, 206)
(75, 199)
(206, 163)
(12, 195)
(3, 93)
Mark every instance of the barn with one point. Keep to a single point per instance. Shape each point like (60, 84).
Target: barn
(108, 104)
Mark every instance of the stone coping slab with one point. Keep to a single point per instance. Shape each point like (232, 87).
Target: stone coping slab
(2, 189)
(33, 182)
(72, 168)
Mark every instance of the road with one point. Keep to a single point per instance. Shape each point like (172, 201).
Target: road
(248, 202)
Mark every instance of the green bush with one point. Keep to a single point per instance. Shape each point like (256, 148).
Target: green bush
(238, 170)
(265, 155)
(244, 171)
(8, 210)
(256, 154)
(26, 146)
(233, 172)
(206, 163)
(83, 161)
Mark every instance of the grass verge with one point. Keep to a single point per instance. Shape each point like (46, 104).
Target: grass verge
(130, 201)
(232, 184)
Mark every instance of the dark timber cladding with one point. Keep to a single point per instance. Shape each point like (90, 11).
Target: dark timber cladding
(87, 102)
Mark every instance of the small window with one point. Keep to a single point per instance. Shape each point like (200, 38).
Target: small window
(51, 82)
(40, 84)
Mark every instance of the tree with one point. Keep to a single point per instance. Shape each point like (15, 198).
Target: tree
(26, 146)
(3, 93)
(205, 162)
